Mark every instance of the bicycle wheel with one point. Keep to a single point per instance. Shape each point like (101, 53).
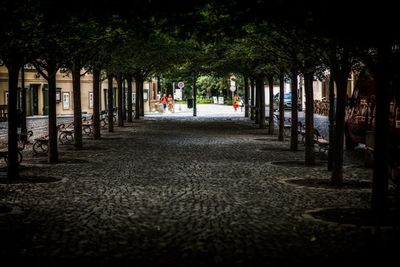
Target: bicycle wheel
(103, 122)
(66, 138)
(39, 148)
(70, 138)
(61, 138)
(87, 130)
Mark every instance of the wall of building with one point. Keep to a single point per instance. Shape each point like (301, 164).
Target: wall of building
(321, 89)
(36, 85)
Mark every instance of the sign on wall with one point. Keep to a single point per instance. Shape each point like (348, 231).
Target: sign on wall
(178, 94)
(65, 100)
(90, 99)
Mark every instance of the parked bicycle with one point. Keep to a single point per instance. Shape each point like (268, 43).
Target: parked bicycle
(104, 117)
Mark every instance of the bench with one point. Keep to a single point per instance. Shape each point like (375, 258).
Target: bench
(87, 128)
(41, 145)
(323, 144)
(301, 131)
(319, 139)
(104, 117)
(87, 125)
(66, 135)
(287, 124)
(23, 139)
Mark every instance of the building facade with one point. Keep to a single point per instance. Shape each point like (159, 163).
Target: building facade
(37, 92)
(321, 89)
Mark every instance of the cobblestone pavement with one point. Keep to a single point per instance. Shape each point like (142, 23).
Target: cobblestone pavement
(182, 191)
(36, 124)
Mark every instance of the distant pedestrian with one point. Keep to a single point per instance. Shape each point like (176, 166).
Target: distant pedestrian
(241, 103)
(236, 102)
(170, 103)
(164, 102)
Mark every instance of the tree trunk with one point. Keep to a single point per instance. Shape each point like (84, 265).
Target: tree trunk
(332, 112)
(194, 96)
(382, 140)
(341, 83)
(294, 129)
(110, 103)
(23, 101)
(123, 99)
(271, 105)
(246, 97)
(309, 119)
(261, 93)
(96, 104)
(281, 132)
(141, 95)
(120, 101)
(53, 131)
(257, 109)
(159, 88)
(129, 98)
(139, 84)
(12, 155)
(76, 81)
(253, 99)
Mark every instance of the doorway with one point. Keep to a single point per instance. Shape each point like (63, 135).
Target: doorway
(33, 100)
(45, 91)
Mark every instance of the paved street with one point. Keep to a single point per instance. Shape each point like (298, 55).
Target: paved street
(38, 124)
(173, 190)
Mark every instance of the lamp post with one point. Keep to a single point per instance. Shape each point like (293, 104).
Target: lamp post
(232, 87)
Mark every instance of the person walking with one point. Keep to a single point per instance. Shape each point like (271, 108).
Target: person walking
(170, 103)
(241, 103)
(164, 102)
(235, 102)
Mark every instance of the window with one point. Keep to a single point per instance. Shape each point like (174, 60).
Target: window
(58, 95)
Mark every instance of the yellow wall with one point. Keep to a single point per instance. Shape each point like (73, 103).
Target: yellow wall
(64, 81)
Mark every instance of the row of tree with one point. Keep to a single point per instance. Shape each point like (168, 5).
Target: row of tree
(259, 40)
(309, 39)
(80, 39)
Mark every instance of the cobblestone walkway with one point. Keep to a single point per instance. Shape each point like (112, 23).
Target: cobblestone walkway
(183, 192)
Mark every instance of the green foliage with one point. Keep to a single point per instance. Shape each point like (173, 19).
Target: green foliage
(210, 85)
(228, 102)
(188, 39)
(203, 100)
(20, 23)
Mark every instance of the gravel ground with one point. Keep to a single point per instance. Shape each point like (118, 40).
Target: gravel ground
(170, 191)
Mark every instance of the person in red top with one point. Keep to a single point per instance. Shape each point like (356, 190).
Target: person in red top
(164, 102)
(235, 102)
(170, 102)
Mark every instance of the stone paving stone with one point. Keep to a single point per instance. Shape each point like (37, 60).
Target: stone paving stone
(178, 191)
